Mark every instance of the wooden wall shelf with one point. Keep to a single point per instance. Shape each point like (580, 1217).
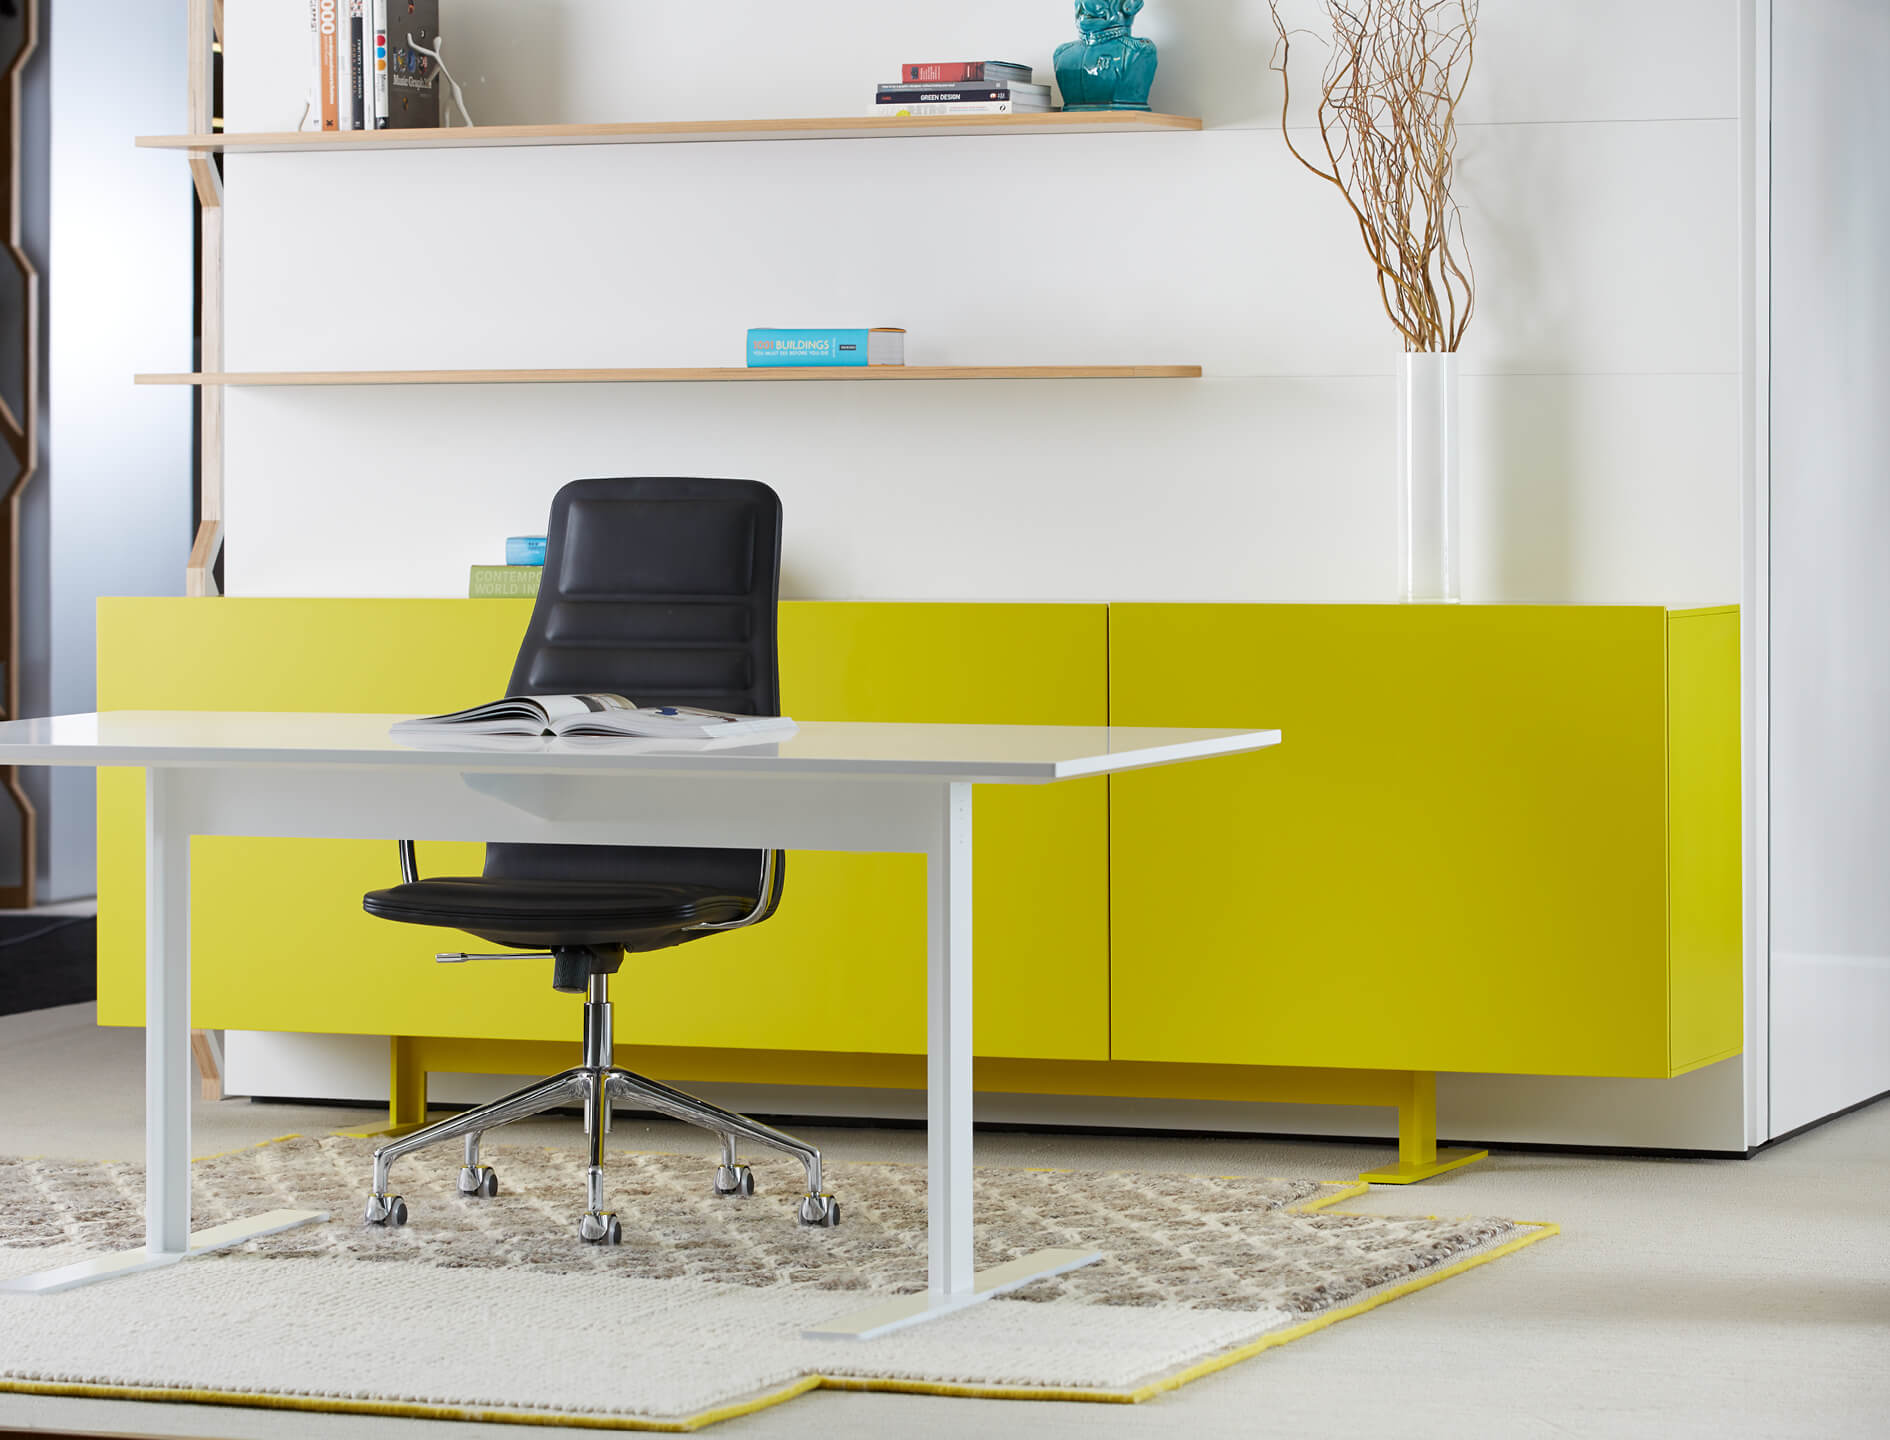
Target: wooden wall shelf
(674, 376)
(866, 127)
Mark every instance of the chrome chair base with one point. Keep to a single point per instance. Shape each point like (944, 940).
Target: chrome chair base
(595, 1085)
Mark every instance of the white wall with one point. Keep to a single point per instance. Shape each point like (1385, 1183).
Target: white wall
(1600, 180)
(1830, 580)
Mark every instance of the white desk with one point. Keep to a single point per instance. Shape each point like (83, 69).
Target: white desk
(903, 788)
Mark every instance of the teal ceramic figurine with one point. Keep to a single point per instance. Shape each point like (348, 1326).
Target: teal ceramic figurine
(1108, 69)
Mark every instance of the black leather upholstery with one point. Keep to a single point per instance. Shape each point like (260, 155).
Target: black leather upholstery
(662, 590)
(535, 914)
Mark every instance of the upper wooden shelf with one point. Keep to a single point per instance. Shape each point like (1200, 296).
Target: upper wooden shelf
(673, 376)
(866, 127)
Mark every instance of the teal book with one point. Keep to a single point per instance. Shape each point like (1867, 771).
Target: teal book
(505, 582)
(782, 348)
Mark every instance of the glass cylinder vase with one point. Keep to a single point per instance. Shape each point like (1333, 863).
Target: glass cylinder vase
(1428, 551)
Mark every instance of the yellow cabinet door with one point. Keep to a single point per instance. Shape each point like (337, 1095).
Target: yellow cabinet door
(279, 941)
(1456, 859)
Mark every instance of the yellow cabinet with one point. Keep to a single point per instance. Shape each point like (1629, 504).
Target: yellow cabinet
(1500, 839)
(279, 941)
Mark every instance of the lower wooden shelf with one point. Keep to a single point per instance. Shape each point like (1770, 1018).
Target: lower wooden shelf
(676, 376)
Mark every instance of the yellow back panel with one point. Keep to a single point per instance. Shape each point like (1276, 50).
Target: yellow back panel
(1455, 861)
(279, 941)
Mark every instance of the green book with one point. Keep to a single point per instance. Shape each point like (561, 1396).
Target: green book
(505, 582)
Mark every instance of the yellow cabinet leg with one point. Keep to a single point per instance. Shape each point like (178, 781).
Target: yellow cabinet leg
(1418, 1155)
(406, 1091)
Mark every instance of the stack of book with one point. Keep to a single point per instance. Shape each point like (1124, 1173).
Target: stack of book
(368, 74)
(518, 577)
(963, 87)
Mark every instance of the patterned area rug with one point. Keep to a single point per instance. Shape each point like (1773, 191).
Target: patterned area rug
(493, 1309)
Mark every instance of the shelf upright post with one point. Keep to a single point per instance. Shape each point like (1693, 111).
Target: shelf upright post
(205, 29)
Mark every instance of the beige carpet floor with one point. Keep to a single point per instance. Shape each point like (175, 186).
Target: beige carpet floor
(699, 1313)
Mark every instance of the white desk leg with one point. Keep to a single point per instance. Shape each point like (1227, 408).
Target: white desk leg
(167, 1059)
(953, 1285)
(168, 1069)
(948, 1047)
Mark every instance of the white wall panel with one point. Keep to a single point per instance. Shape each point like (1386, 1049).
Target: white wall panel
(1600, 489)
(1208, 490)
(575, 61)
(1240, 489)
(1601, 249)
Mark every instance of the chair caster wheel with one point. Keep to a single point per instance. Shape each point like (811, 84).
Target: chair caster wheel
(482, 1182)
(822, 1210)
(386, 1210)
(733, 1180)
(600, 1227)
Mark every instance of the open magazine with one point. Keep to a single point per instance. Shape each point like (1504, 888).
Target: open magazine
(594, 715)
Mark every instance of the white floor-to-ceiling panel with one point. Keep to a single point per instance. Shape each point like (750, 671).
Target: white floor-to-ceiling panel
(1830, 579)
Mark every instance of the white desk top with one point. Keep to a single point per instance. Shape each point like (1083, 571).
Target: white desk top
(985, 754)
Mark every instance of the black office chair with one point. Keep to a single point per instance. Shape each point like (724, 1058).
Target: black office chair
(662, 590)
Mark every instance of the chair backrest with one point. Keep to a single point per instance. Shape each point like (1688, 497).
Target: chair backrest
(664, 591)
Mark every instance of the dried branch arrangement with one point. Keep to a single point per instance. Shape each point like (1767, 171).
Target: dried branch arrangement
(1388, 122)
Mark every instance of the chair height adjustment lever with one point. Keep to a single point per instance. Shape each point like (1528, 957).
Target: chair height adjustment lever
(460, 957)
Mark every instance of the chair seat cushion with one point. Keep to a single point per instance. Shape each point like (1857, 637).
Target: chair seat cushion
(540, 914)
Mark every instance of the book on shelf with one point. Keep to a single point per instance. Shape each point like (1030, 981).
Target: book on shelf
(504, 582)
(947, 94)
(977, 98)
(378, 32)
(783, 348)
(595, 715)
(354, 71)
(413, 96)
(971, 107)
(525, 550)
(956, 72)
(323, 26)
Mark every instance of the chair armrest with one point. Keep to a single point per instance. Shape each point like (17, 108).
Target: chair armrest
(770, 888)
(409, 865)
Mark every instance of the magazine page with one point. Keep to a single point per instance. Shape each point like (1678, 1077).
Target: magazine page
(560, 711)
(672, 721)
(514, 715)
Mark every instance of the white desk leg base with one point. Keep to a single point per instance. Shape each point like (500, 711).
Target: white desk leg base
(897, 1314)
(131, 1262)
